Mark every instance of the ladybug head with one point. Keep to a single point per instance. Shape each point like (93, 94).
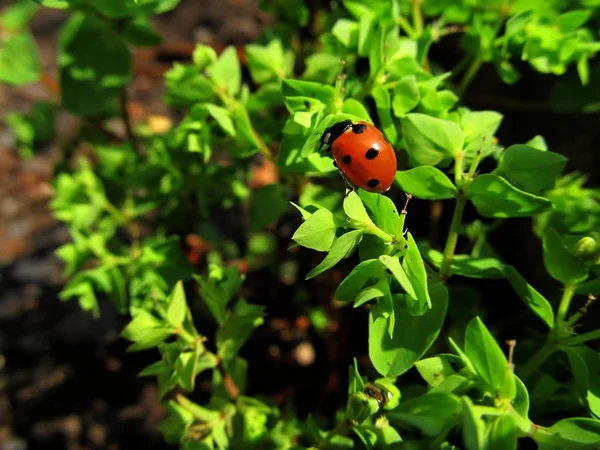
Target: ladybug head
(334, 132)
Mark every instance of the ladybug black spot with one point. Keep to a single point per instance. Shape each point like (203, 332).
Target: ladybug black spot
(335, 164)
(358, 128)
(372, 153)
(373, 182)
(346, 159)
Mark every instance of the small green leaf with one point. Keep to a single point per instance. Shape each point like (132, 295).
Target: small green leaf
(436, 369)
(393, 265)
(493, 196)
(226, 72)
(429, 140)
(532, 298)
(318, 231)
(203, 56)
(237, 328)
(521, 401)
(406, 96)
(473, 429)
(488, 359)
(572, 433)
(266, 205)
(383, 104)
(19, 60)
(357, 278)
(529, 169)
(341, 248)
(426, 182)
(267, 63)
(502, 434)
(139, 32)
(431, 414)
(346, 31)
(381, 210)
(467, 265)
(415, 270)
(559, 262)
(177, 305)
(356, 212)
(412, 335)
(95, 64)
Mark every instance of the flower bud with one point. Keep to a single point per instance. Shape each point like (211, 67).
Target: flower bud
(204, 56)
(588, 248)
(360, 407)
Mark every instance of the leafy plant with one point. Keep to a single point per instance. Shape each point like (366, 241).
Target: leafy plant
(128, 207)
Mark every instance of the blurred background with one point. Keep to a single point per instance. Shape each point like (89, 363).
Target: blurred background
(64, 379)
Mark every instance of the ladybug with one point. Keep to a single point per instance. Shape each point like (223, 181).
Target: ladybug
(363, 156)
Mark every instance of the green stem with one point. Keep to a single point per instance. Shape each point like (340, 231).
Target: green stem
(576, 340)
(452, 239)
(376, 231)
(124, 100)
(474, 164)
(469, 75)
(537, 360)
(339, 428)
(565, 303)
(417, 17)
(406, 27)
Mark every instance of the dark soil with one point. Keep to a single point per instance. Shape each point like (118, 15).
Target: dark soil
(65, 381)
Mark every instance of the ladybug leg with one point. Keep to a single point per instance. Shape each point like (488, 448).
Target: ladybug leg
(349, 186)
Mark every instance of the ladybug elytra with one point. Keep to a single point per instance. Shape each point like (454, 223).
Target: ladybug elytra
(362, 154)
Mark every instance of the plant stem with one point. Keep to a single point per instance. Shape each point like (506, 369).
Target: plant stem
(576, 340)
(537, 360)
(337, 430)
(565, 302)
(417, 17)
(376, 231)
(127, 119)
(469, 75)
(406, 27)
(452, 239)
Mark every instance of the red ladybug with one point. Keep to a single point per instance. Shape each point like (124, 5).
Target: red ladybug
(362, 154)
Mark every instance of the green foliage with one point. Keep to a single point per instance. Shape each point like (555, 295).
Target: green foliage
(128, 206)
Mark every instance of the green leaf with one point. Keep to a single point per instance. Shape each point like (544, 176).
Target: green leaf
(19, 60)
(318, 91)
(436, 369)
(415, 270)
(267, 63)
(266, 205)
(493, 196)
(532, 298)
(138, 31)
(318, 231)
(356, 108)
(406, 96)
(529, 169)
(521, 401)
(177, 305)
(204, 56)
(488, 359)
(467, 265)
(572, 433)
(426, 182)
(502, 434)
(383, 105)
(145, 331)
(218, 289)
(357, 278)
(226, 72)
(412, 335)
(237, 328)
(559, 262)
(356, 212)
(381, 210)
(473, 429)
(431, 414)
(18, 15)
(429, 140)
(95, 64)
(185, 86)
(393, 265)
(346, 31)
(585, 366)
(341, 248)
